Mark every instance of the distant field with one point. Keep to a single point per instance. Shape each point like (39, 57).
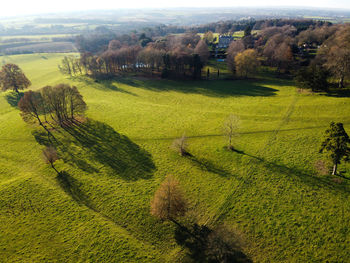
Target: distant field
(266, 193)
(36, 44)
(53, 47)
(33, 37)
(236, 35)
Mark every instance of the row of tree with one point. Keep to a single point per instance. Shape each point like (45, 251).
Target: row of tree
(317, 56)
(58, 105)
(175, 56)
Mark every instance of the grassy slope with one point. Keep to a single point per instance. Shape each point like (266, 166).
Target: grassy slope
(100, 210)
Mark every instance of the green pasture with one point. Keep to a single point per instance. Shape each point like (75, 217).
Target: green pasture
(266, 193)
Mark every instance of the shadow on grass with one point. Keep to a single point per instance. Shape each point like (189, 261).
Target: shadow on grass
(105, 85)
(219, 88)
(72, 187)
(214, 88)
(13, 98)
(340, 93)
(308, 179)
(208, 245)
(93, 146)
(207, 165)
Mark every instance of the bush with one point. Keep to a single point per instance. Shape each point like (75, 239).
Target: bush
(180, 145)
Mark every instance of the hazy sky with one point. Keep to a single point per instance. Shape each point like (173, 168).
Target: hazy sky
(19, 7)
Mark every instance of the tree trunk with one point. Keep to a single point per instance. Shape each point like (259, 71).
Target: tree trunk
(335, 169)
(53, 167)
(341, 82)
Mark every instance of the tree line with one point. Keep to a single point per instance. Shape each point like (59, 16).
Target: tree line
(317, 56)
(180, 56)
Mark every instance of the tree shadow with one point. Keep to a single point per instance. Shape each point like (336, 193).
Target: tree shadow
(93, 145)
(65, 152)
(207, 165)
(105, 84)
(13, 98)
(306, 178)
(208, 245)
(339, 93)
(72, 187)
(215, 88)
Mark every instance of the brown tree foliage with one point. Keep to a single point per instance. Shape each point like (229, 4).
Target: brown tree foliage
(63, 102)
(232, 51)
(246, 62)
(336, 54)
(316, 35)
(208, 37)
(114, 44)
(31, 106)
(278, 51)
(168, 202)
(12, 77)
(202, 50)
(51, 156)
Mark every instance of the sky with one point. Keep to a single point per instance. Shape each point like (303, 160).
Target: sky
(27, 7)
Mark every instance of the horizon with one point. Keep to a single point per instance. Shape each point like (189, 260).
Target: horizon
(38, 7)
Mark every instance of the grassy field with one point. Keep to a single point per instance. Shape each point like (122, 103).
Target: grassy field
(266, 193)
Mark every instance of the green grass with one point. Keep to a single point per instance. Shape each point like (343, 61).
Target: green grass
(266, 192)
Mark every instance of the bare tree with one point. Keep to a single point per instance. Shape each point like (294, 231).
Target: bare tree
(168, 202)
(65, 67)
(336, 52)
(230, 128)
(63, 102)
(234, 48)
(51, 156)
(181, 145)
(202, 50)
(32, 106)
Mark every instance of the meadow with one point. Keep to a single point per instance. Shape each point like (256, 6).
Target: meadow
(267, 192)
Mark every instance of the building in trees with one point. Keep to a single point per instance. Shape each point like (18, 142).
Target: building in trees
(337, 144)
(224, 41)
(12, 77)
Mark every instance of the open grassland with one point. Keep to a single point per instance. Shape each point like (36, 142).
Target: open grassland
(267, 192)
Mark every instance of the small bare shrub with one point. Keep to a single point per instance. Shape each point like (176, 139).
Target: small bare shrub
(337, 180)
(168, 202)
(51, 156)
(230, 129)
(322, 167)
(180, 145)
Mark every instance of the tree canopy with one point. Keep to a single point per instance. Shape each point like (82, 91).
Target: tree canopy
(12, 77)
(168, 202)
(336, 143)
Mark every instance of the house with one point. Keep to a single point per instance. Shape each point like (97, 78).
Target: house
(224, 41)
